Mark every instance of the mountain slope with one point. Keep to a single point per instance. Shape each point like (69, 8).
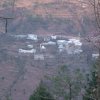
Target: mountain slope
(49, 16)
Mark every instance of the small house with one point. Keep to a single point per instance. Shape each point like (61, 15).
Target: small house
(38, 57)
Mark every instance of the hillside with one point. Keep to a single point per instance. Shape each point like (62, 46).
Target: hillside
(43, 37)
(48, 16)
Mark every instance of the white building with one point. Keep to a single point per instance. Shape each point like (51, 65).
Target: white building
(19, 36)
(75, 42)
(54, 37)
(61, 42)
(46, 39)
(73, 46)
(32, 37)
(42, 47)
(95, 56)
(27, 51)
(50, 56)
(38, 57)
(30, 46)
(61, 48)
(61, 45)
(49, 43)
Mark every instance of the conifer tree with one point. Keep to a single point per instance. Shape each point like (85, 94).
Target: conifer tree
(92, 87)
(41, 93)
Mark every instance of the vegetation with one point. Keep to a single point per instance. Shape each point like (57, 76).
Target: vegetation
(41, 93)
(91, 90)
(66, 85)
(92, 86)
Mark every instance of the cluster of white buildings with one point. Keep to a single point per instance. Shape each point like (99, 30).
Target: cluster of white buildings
(72, 46)
(69, 46)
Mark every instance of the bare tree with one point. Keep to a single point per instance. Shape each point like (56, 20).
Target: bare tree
(6, 22)
(95, 39)
(8, 18)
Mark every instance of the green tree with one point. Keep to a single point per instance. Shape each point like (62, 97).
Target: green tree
(66, 84)
(41, 93)
(92, 87)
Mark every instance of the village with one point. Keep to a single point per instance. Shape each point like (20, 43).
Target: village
(50, 50)
(43, 47)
